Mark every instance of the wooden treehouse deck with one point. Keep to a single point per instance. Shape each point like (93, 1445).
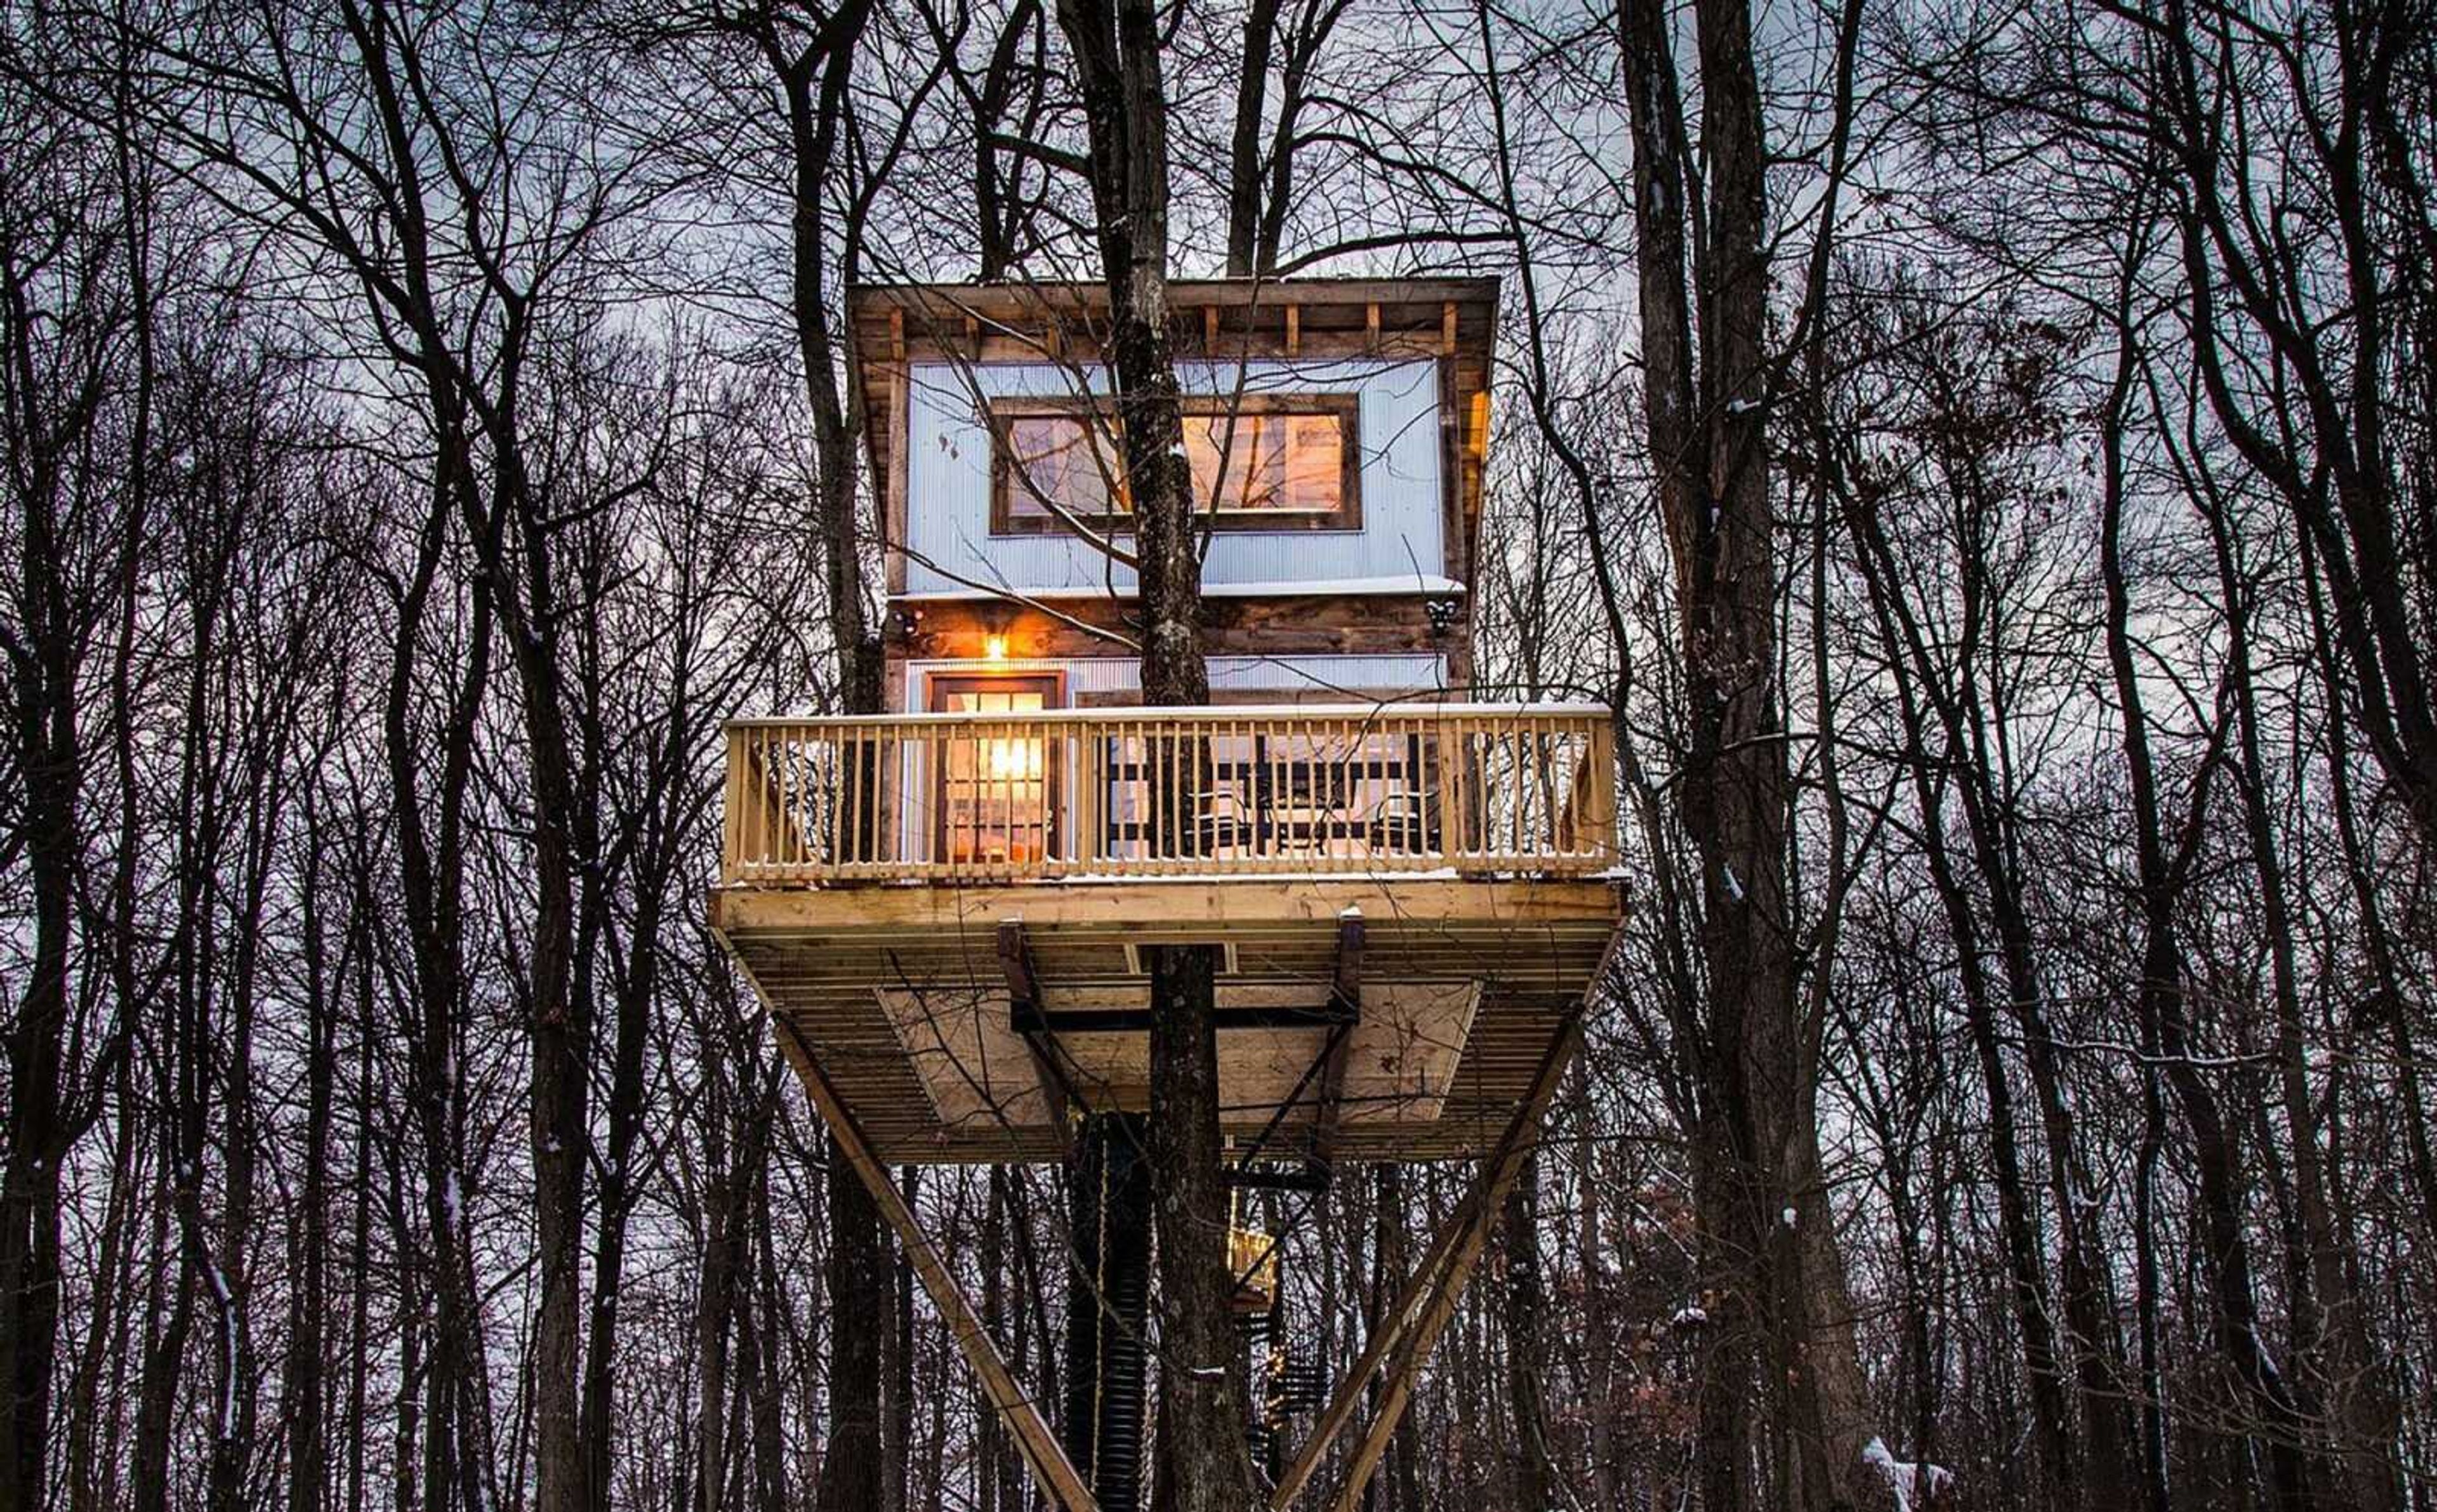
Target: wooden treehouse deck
(945, 914)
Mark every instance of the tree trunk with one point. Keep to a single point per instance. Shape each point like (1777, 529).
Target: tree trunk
(1705, 429)
(1202, 1382)
(1534, 1478)
(2283, 1427)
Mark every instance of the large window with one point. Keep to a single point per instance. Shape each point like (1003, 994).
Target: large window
(1259, 462)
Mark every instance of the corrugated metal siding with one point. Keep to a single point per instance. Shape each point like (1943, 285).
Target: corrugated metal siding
(1359, 676)
(948, 481)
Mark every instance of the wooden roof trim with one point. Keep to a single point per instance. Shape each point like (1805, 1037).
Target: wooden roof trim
(984, 300)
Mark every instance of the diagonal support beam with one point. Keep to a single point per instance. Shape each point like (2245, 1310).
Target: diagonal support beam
(1397, 1385)
(1051, 1469)
(1412, 1327)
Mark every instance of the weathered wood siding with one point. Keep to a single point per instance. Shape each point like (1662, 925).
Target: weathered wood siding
(948, 481)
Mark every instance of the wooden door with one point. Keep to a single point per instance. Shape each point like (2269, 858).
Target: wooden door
(997, 794)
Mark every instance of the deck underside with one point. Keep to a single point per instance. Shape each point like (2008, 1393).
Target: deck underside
(904, 996)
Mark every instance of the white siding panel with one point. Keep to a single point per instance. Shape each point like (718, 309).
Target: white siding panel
(948, 481)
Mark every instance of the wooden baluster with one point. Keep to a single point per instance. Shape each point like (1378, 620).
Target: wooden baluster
(1242, 746)
(1104, 751)
(838, 746)
(1035, 757)
(1172, 833)
(1466, 743)
(1519, 821)
(968, 848)
(1172, 773)
(1505, 802)
(764, 827)
(864, 807)
(884, 792)
(842, 838)
(1485, 798)
(1350, 845)
(1522, 825)
(1283, 808)
(1526, 778)
(1435, 757)
(1381, 821)
(1081, 797)
(748, 832)
(773, 778)
(1053, 760)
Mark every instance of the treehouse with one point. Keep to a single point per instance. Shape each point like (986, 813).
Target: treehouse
(945, 906)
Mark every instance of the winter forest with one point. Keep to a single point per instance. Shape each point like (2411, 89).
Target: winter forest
(1985, 454)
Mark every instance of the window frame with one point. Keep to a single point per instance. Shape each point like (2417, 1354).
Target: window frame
(1345, 408)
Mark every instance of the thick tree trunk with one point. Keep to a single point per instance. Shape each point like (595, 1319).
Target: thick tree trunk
(813, 81)
(853, 1464)
(1244, 175)
(1534, 1478)
(1706, 430)
(1117, 58)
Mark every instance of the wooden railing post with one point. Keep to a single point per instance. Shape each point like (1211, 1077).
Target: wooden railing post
(1601, 757)
(731, 843)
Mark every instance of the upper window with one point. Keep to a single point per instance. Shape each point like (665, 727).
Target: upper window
(1259, 462)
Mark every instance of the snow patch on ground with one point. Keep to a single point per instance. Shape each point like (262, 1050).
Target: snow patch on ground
(1917, 1487)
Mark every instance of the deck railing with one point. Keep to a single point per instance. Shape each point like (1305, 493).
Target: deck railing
(1473, 789)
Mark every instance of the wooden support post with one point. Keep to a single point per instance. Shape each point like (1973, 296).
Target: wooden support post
(1023, 1000)
(1051, 1469)
(1423, 1307)
(1344, 996)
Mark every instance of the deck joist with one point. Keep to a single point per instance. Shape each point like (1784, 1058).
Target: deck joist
(1472, 976)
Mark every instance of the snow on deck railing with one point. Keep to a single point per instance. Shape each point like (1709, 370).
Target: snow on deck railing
(1122, 793)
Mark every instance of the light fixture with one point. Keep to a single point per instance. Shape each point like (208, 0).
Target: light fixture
(1443, 609)
(994, 648)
